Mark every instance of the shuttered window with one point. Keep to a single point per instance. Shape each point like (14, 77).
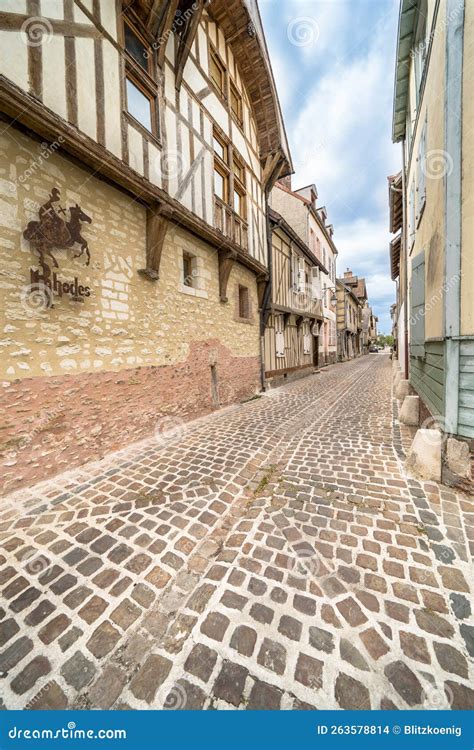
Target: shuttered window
(411, 216)
(421, 189)
(279, 336)
(315, 283)
(417, 306)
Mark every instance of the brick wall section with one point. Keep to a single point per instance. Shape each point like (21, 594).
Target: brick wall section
(59, 423)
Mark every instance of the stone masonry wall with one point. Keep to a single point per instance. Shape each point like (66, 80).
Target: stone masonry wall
(82, 378)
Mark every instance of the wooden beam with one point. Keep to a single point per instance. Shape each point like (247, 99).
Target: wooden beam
(156, 227)
(186, 39)
(23, 110)
(19, 21)
(163, 30)
(227, 259)
(262, 281)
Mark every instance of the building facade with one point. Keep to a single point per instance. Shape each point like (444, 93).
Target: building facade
(348, 322)
(139, 143)
(299, 209)
(432, 259)
(294, 315)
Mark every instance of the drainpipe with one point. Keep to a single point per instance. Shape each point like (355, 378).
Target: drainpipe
(267, 295)
(453, 208)
(405, 264)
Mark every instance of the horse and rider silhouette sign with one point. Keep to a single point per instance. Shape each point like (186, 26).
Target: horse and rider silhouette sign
(55, 231)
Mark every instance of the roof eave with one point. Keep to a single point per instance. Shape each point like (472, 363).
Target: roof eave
(406, 28)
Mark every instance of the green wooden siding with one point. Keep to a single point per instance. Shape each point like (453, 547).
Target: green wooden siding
(427, 376)
(466, 388)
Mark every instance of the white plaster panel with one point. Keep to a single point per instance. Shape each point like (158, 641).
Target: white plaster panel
(86, 99)
(135, 149)
(14, 58)
(54, 76)
(113, 139)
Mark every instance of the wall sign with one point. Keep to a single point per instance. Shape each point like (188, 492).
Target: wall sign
(52, 232)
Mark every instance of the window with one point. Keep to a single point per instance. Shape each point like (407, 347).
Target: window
(417, 305)
(240, 205)
(279, 336)
(229, 185)
(136, 47)
(244, 302)
(421, 189)
(189, 269)
(236, 104)
(139, 105)
(420, 48)
(221, 168)
(141, 90)
(217, 72)
(411, 216)
(315, 283)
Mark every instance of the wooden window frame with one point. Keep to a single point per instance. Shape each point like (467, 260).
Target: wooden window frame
(216, 58)
(144, 80)
(244, 302)
(239, 117)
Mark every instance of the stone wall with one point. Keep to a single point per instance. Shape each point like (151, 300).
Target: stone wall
(84, 378)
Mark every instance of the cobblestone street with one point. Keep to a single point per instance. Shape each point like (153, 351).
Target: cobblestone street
(273, 555)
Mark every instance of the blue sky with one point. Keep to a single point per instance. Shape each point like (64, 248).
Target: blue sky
(333, 62)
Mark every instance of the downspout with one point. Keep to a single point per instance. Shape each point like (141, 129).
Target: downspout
(405, 265)
(453, 209)
(267, 295)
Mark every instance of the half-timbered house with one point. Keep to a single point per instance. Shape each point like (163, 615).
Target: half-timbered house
(295, 311)
(139, 142)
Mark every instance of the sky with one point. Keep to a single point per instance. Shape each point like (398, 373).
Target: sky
(334, 66)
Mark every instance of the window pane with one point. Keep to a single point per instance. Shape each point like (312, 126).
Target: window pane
(219, 185)
(217, 74)
(135, 47)
(237, 203)
(139, 105)
(219, 148)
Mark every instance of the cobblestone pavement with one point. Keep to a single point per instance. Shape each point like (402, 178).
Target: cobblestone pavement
(275, 555)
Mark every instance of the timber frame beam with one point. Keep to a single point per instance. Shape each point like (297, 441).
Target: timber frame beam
(157, 223)
(28, 112)
(186, 39)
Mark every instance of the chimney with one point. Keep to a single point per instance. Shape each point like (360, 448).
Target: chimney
(348, 274)
(285, 182)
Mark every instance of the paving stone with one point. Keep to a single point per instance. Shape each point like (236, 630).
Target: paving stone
(125, 614)
(433, 623)
(233, 601)
(92, 609)
(230, 683)
(103, 639)
(351, 611)
(17, 651)
(460, 606)
(261, 613)
(351, 694)
(350, 654)
(70, 637)
(184, 696)
(158, 577)
(461, 696)
(243, 640)
(215, 625)
(78, 671)
(8, 628)
(272, 655)
(467, 632)
(150, 677)
(50, 697)
(290, 627)
(453, 579)
(54, 628)
(405, 682)
(108, 687)
(29, 675)
(374, 643)
(321, 639)
(25, 599)
(143, 595)
(414, 646)
(264, 697)
(304, 604)
(451, 660)
(201, 661)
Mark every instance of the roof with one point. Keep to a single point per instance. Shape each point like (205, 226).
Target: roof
(315, 212)
(395, 201)
(278, 221)
(241, 23)
(406, 31)
(348, 289)
(395, 248)
(361, 289)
